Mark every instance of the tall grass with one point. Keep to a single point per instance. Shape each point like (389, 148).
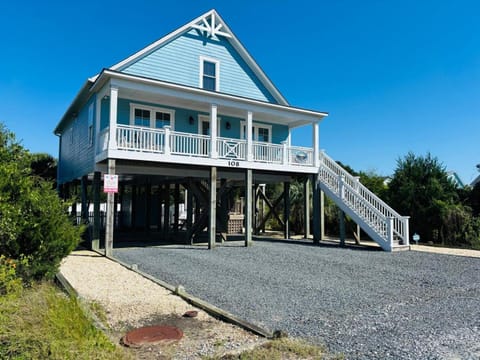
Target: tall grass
(43, 323)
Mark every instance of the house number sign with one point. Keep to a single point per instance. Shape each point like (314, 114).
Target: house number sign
(233, 163)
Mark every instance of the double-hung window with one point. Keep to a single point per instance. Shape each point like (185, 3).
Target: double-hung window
(149, 116)
(260, 132)
(209, 74)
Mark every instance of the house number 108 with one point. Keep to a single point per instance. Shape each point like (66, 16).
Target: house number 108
(233, 163)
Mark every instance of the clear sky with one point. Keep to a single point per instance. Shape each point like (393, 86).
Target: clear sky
(395, 76)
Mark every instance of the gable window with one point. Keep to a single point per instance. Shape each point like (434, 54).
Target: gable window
(149, 116)
(209, 74)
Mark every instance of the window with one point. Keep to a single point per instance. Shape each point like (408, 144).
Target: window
(162, 119)
(260, 132)
(90, 125)
(209, 79)
(142, 117)
(149, 116)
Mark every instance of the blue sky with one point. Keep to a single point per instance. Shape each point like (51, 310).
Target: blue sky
(395, 76)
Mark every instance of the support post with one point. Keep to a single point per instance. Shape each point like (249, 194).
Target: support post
(110, 213)
(112, 132)
(285, 153)
(166, 210)
(306, 206)
(248, 207)
(212, 228)
(213, 131)
(176, 213)
(249, 136)
(148, 205)
(341, 218)
(189, 211)
(96, 211)
(84, 195)
(286, 199)
(322, 215)
(317, 218)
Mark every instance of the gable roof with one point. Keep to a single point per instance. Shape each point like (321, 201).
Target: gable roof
(213, 24)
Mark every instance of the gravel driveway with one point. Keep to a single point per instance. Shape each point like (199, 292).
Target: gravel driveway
(366, 304)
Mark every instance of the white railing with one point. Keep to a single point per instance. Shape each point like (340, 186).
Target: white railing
(385, 221)
(140, 138)
(232, 148)
(267, 152)
(189, 144)
(164, 141)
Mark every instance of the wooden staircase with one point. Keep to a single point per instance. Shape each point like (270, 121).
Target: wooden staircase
(383, 224)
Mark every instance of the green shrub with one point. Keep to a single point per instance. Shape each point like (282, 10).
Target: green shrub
(10, 283)
(33, 220)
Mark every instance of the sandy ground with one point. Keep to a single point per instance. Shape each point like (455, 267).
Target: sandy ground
(130, 301)
(447, 251)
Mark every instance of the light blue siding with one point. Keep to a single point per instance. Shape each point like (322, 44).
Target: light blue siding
(76, 154)
(179, 62)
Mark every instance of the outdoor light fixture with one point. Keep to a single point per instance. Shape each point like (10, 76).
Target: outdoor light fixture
(191, 120)
(228, 125)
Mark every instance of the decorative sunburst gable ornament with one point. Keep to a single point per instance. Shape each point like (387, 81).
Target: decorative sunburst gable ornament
(211, 25)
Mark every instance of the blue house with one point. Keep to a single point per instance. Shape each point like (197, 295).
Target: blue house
(184, 120)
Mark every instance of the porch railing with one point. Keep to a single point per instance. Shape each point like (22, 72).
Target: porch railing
(164, 141)
(232, 148)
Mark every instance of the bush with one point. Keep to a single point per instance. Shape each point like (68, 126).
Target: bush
(10, 283)
(33, 220)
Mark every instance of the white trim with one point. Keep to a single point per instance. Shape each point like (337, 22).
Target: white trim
(206, 118)
(215, 97)
(255, 126)
(217, 72)
(153, 110)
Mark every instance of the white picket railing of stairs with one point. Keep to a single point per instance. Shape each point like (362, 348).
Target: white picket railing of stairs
(383, 224)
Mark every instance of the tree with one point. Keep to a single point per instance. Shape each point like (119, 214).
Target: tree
(420, 188)
(45, 166)
(33, 220)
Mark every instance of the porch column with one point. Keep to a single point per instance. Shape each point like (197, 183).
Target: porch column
(249, 136)
(110, 213)
(213, 131)
(315, 142)
(189, 208)
(212, 228)
(317, 218)
(322, 215)
(248, 207)
(96, 211)
(306, 206)
(112, 139)
(286, 199)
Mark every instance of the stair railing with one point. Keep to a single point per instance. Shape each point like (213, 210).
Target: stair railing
(369, 207)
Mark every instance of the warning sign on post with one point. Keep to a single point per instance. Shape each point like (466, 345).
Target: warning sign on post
(110, 183)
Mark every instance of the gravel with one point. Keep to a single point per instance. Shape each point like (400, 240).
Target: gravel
(365, 304)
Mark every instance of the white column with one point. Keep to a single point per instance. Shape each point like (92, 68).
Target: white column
(249, 136)
(110, 221)
(289, 137)
(166, 149)
(213, 131)
(315, 141)
(112, 139)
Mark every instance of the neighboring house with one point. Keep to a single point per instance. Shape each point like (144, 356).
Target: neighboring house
(187, 118)
(453, 177)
